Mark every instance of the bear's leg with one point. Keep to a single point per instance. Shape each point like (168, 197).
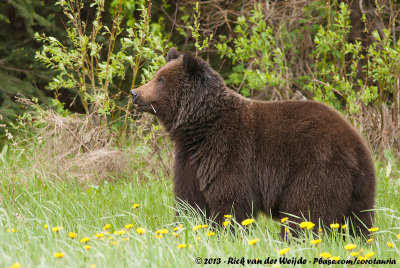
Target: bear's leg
(186, 189)
(225, 199)
(320, 195)
(362, 201)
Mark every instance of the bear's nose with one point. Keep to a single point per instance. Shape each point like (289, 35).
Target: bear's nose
(134, 94)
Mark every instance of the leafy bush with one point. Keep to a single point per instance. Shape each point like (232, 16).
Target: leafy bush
(337, 63)
(102, 64)
(94, 68)
(260, 63)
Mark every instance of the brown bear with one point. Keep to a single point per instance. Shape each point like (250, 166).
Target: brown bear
(242, 156)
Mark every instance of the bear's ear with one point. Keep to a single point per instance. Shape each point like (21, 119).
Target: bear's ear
(172, 54)
(191, 65)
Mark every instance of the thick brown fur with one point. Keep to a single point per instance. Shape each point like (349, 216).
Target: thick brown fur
(296, 157)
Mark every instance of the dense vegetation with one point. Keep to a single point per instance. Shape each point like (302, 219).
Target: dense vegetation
(74, 154)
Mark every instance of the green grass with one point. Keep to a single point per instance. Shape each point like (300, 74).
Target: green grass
(28, 202)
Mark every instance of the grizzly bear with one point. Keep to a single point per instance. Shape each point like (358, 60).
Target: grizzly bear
(242, 156)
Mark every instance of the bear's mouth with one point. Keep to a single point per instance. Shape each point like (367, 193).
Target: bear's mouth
(145, 107)
(142, 106)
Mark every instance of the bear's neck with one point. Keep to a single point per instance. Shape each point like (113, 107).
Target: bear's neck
(195, 123)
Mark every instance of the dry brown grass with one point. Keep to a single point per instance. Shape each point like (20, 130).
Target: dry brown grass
(79, 147)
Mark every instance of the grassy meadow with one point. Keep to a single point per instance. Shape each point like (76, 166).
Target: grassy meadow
(56, 207)
(131, 221)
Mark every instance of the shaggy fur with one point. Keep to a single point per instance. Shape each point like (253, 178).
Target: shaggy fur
(296, 157)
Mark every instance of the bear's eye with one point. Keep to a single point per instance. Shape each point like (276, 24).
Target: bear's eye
(160, 80)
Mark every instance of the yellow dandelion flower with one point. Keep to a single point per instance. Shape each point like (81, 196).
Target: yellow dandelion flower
(335, 225)
(120, 232)
(226, 223)
(390, 244)
(178, 227)
(12, 230)
(228, 216)
(205, 226)
(369, 254)
(247, 222)
(16, 265)
(254, 241)
(92, 266)
(99, 235)
(307, 225)
(87, 247)
(162, 231)
(283, 220)
(354, 253)
(158, 236)
(72, 235)
(197, 227)
(56, 229)
(85, 239)
(136, 206)
(344, 226)
(335, 258)
(283, 251)
(320, 230)
(361, 258)
(128, 226)
(369, 241)
(126, 238)
(174, 234)
(182, 246)
(45, 226)
(315, 242)
(373, 230)
(210, 233)
(398, 236)
(59, 255)
(350, 246)
(325, 255)
(140, 230)
(107, 226)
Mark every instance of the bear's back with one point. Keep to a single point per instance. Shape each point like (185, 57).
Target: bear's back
(303, 124)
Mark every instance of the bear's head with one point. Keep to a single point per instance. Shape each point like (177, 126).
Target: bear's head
(184, 91)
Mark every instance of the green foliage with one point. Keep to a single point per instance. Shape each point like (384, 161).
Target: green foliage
(195, 30)
(27, 10)
(19, 74)
(383, 63)
(192, 27)
(337, 62)
(128, 8)
(93, 68)
(260, 60)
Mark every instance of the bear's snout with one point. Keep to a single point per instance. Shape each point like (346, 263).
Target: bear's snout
(134, 94)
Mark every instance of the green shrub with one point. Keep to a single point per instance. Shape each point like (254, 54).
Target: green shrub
(259, 61)
(100, 68)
